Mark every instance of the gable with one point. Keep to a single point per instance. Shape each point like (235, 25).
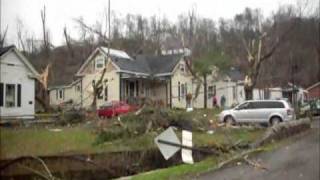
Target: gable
(181, 68)
(14, 58)
(90, 66)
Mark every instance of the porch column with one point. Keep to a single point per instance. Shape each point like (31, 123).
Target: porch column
(170, 85)
(120, 87)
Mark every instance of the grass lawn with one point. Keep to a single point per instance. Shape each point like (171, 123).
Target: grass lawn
(42, 141)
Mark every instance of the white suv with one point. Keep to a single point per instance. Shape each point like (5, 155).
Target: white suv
(259, 111)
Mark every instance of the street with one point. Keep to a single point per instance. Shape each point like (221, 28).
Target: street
(297, 160)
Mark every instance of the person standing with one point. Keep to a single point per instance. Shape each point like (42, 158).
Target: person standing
(223, 101)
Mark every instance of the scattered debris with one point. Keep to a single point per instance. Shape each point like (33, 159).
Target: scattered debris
(55, 130)
(255, 164)
(210, 132)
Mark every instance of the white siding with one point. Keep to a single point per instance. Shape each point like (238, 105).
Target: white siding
(14, 71)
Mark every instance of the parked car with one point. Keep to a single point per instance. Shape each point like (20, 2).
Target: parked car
(259, 111)
(115, 108)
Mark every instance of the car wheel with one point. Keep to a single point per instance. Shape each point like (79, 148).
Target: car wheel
(229, 120)
(275, 120)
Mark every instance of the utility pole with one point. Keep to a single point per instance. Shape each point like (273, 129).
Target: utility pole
(109, 43)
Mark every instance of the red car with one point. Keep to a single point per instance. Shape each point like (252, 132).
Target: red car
(115, 108)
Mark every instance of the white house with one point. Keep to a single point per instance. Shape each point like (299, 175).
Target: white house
(230, 87)
(17, 84)
(70, 93)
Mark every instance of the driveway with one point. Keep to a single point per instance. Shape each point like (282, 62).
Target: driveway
(297, 160)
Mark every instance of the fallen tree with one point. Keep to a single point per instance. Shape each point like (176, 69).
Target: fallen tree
(283, 130)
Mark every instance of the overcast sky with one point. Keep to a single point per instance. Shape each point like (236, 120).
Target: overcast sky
(61, 12)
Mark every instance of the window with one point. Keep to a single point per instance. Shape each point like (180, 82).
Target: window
(266, 94)
(10, 95)
(99, 63)
(210, 92)
(234, 92)
(182, 67)
(267, 105)
(183, 90)
(60, 94)
(179, 91)
(106, 93)
(100, 92)
(243, 106)
(78, 88)
(1, 94)
(186, 88)
(19, 95)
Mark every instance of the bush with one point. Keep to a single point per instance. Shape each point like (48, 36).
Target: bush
(71, 117)
(111, 134)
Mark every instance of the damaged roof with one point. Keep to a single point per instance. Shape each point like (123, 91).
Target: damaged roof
(148, 64)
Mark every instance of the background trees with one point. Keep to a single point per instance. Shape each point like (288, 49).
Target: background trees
(266, 49)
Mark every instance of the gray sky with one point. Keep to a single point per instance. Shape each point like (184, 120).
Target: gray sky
(61, 12)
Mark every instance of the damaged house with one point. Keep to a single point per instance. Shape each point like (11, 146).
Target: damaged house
(164, 79)
(17, 84)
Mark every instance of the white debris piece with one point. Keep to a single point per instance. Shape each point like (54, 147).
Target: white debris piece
(117, 53)
(187, 141)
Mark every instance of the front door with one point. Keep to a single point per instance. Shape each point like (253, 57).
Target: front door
(131, 89)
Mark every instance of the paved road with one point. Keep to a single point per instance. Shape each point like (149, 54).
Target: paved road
(298, 160)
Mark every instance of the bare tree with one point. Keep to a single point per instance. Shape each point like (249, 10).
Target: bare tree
(97, 30)
(259, 50)
(20, 34)
(3, 37)
(68, 41)
(98, 86)
(45, 32)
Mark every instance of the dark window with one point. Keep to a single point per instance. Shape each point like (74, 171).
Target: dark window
(57, 93)
(61, 94)
(137, 88)
(10, 95)
(275, 104)
(267, 105)
(100, 92)
(19, 95)
(182, 90)
(179, 91)
(1, 94)
(244, 105)
(106, 93)
(210, 92)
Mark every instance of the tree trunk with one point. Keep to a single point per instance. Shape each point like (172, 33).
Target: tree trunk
(248, 90)
(205, 91)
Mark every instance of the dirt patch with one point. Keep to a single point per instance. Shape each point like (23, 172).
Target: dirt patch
(98, 166)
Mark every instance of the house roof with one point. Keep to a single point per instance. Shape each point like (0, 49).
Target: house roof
(313, 86)
(235, 74)
(5, 49)
(144, 64)
(148, 64)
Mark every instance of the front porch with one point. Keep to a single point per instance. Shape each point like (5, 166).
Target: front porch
(137, 89)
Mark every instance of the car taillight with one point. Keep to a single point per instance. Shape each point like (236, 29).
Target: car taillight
(289, 112)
